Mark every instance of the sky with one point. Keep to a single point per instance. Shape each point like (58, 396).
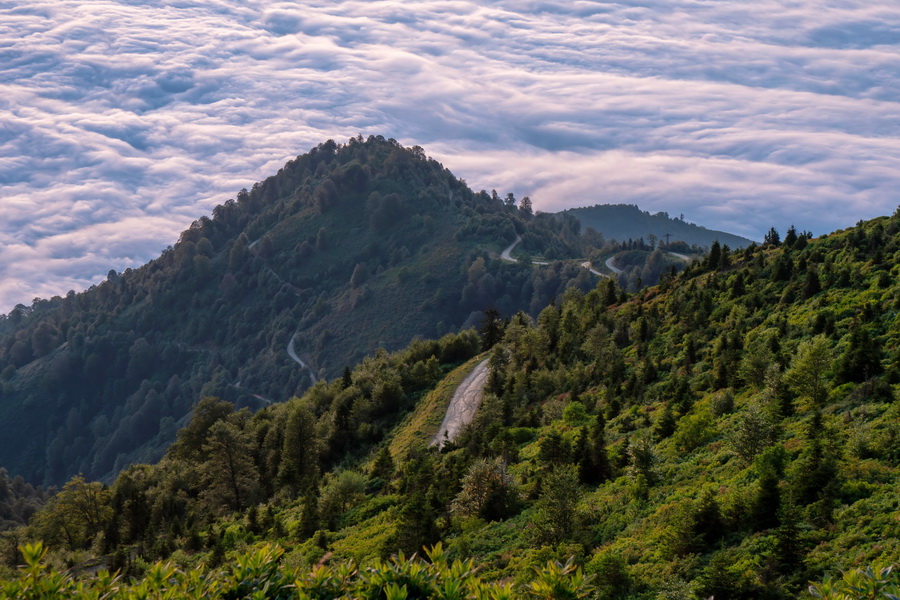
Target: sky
(121, 122)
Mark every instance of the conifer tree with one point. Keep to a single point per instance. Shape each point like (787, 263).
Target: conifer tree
(594, 467)
(299, 469)
(809, 373)
(230, 477)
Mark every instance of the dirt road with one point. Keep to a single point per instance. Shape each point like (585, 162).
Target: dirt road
(466, 400)
(293, 354)
(609, 265)
(505, 254)
(587, 265)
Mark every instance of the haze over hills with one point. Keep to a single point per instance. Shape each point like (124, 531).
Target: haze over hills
(623, 222)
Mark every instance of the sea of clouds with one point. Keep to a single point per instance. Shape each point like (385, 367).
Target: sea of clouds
(123, 121)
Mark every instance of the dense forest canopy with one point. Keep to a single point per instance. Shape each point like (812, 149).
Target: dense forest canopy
(732, 432)
(348, 248)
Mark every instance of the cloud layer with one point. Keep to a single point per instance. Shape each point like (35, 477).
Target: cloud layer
(122, 121)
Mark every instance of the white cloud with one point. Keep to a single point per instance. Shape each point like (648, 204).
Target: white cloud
(122, 122)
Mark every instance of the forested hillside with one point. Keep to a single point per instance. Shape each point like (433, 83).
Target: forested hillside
(349, 248)
(624, 222)
(733, 432)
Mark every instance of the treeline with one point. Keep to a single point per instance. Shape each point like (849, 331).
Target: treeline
(228, 461)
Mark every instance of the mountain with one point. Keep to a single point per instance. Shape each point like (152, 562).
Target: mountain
(622, 222)
(347, 249)
(731, 433)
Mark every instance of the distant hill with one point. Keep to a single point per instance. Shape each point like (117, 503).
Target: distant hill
(622, 222)
(349, 248)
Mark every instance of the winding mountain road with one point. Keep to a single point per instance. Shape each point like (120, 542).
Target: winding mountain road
(587, 265)
(465, 402)
(609, 265)
(293, 354)
(505, 254)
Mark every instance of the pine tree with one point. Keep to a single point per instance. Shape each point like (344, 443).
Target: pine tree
(229, 475)
(862, 359)
(714, 260)
(594, 466)
(665, 426)
(790, 238)
(310, 519)
(813, 286)
(555, 518)
(299, 469)
(491, 329)
(383, 467)
(809, 374)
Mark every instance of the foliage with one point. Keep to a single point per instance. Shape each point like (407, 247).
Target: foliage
(873, 583)
(348, 248)
(260, 574)
(488, 492)
(641, 440)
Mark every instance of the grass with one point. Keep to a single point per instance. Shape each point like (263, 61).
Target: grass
(420, 425)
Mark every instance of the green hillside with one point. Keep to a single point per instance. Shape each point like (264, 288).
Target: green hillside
(731, 433)
(623, 222)
(349, 248)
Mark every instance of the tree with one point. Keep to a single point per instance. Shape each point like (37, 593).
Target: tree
(383, 467)
(808, 374)
(553, 450)
(141, 359)
(75, 515)
(343, 490)
(205, 248)
(666, 424)
(42, 340)
(359, 275)
(714, 260)
(772, 237)
(266, 247)
(756, 358)
(766, 503)
(556, 513)
(488, 492)
(229, 475)
(322, 239)
(754, 433)
(594, 467)
(238, 254)
(812, 286)
(790, 237)
(725, 258)
(326, 195)
(491, 329)
(192, 437)
(862, 359)
(707, 524)
(525, 206)
(299, 469)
